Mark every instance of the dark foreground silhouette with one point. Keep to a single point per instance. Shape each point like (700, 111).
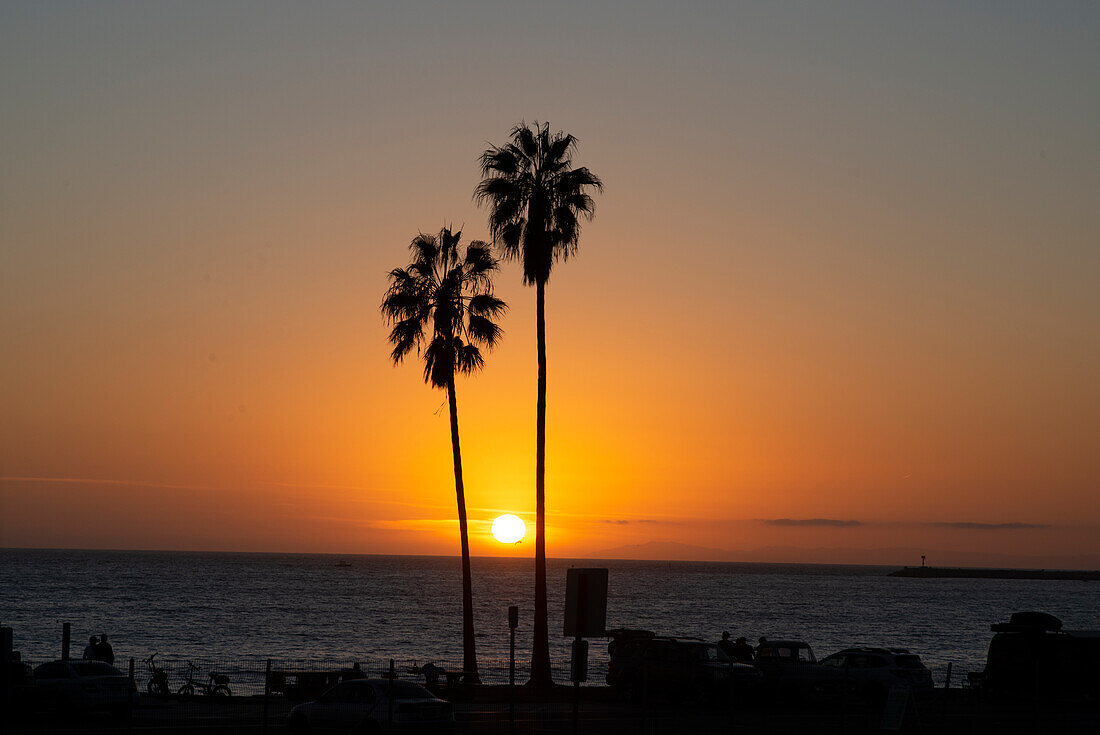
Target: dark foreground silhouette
(1038, 678)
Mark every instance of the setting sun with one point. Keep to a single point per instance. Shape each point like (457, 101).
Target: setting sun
(509, 529)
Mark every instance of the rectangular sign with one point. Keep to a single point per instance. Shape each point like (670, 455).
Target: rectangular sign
(585, 602)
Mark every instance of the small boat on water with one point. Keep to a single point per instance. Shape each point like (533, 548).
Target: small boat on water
(343, 563)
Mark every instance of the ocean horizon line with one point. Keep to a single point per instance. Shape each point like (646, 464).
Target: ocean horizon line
(341, 555)
(349, 555)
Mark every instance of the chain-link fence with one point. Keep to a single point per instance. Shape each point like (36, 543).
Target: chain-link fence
(169, 694)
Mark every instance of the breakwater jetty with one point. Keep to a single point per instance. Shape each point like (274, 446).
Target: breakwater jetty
(975, 573)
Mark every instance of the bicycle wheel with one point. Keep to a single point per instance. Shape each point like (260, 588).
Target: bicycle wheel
(221, 690)
(186, 692)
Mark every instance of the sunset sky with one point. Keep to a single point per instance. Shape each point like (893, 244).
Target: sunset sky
(841, 295)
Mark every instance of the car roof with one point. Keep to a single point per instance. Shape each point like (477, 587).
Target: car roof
(786, 643)
(878, 650)
(71, 661)
(383, 683)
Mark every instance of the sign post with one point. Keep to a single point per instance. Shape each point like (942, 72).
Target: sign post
(585, 615)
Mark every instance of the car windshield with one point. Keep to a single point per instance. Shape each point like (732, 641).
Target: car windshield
(908, 662)
(95, 668)
(712, 653)
(790, 653)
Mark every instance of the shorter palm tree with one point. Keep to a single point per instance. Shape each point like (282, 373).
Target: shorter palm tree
(442, 305)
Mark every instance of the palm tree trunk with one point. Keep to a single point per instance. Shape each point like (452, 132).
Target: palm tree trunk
(469, 653)
(540, 654)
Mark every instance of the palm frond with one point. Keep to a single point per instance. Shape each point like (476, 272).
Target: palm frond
(405, 296)
(498, 188)
(425, 249)
(580, 202)
(439, 362)
(469, 360)
(483, 331)
(405, 336)
(450, 295)
(560, 147)
(498, 161)
(526, 139)
(487, 305)
(510, 238)
(578, 179)
(566, 230)
(535, 201)
(479, 260)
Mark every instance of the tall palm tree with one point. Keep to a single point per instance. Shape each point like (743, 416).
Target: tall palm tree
(535, 198)
(442, 305)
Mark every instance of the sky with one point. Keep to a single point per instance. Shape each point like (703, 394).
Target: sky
(840, 300)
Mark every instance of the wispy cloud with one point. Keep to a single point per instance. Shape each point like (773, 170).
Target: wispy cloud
(827, 522)
(975, 526)
(105, 481)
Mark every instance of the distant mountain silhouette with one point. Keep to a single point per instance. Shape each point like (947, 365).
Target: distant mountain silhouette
(673, 551)
(662, 550)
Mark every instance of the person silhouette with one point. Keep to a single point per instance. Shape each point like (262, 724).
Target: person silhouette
(742, 651)
(431, 674)
(726, 645)
(90, 649)
(104, 652)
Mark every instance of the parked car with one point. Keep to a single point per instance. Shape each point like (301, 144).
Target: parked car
(1031, 655)
(791, 671)
(20, 681)
(644, 664)
(365, 705)
(83, 685)
(872, 672)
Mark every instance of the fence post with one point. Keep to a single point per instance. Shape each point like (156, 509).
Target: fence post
(267, 695)
(130, 699)
(389, 699)
(944, 703)
(66, 629)
(513, 623)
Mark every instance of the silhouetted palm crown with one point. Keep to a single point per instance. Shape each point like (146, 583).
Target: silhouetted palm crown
(535, 197)
(449, 296)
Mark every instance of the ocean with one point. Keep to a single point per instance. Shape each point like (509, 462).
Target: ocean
(217, 607)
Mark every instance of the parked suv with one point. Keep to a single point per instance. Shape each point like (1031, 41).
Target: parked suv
(792, 672)
(644, 664)
(1032, 655)
(872, 672)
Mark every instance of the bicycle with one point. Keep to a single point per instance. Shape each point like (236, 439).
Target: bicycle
(217, 685)
(158, 678)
